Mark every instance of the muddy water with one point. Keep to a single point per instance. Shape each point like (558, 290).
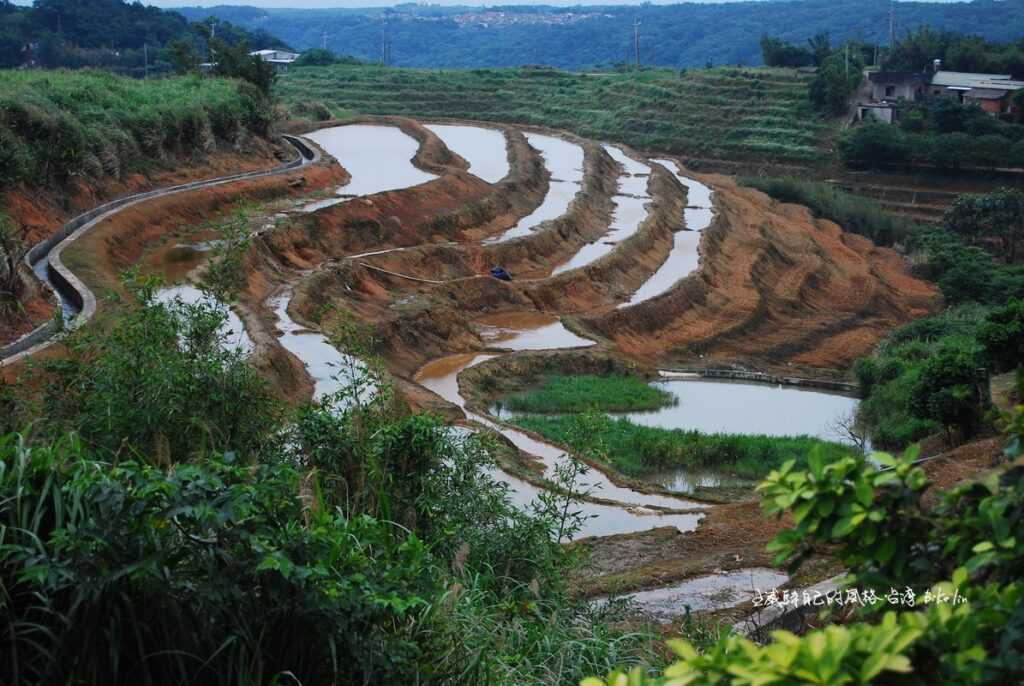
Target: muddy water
(233, 331)
(441, 377)
(749, 408)
(565, 162)
(330, 370)
(483, 148)
(713, 592)
(684, 258)
(528, 331)
(379, 158)
(630, 212)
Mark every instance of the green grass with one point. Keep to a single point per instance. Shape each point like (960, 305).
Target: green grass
(58, 124)
(852, 212)
(723, 112)
(558, 393)
(638, 450)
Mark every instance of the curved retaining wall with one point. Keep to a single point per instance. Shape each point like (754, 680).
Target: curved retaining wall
(759, 377)
(69, 287)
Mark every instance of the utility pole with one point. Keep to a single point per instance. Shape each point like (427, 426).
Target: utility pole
(145, 60)
(636, 41)
(892, 24)
(323, 40)
(847, 60)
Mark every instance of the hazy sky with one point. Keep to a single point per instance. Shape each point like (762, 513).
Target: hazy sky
(385, 3)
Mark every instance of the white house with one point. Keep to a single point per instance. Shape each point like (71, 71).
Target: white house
(279, 58)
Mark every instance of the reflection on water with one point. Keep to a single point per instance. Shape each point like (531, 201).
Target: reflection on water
(379, 158)
(712, 592)
(441, 377)
(233, 331)
(483, 148)
(630, 212)
(528, 331)
(330, 370)
(684, 256)
(749, 408)
(565, 162)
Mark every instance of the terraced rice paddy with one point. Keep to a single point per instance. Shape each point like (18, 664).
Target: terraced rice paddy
(718, 113)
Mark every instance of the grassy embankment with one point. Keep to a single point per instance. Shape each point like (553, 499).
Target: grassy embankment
(55, 125)
(635, 450)
(721, 113)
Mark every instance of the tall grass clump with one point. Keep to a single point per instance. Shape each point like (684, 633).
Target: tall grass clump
(560, 393)
(638, 450)
(58, 124)
(851, 212)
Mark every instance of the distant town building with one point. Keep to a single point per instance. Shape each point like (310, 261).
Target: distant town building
(992, 92)
(279, 58)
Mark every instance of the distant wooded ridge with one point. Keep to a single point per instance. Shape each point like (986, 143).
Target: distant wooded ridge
(682, 35)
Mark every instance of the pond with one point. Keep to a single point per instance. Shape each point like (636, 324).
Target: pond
(379, 158)
(749, 408)
(684, 257)
(565, 162)
(630, 212)
(483, 148)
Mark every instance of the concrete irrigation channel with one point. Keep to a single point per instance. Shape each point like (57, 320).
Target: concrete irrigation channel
(76, 300)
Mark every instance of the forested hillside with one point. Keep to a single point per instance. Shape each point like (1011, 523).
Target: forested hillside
(113, 34)
(679, 35)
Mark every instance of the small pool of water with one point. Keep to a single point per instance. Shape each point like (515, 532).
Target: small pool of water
(330, 369)
(528, 331)
(630, 212)
(235, 335)
(712, 592)
(749, 408)
(565, 162)
(483, 148)
(684, 257)
(379, 158)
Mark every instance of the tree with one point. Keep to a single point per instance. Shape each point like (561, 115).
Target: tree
(873, 144)
(316, 57)
(837, 78)
(998, 215)
(1002, 336)
(236, 62)
(821, 47)
(184, 56)
(952, 389)
(778, 53)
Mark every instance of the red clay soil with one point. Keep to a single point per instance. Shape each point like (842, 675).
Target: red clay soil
(775, 286)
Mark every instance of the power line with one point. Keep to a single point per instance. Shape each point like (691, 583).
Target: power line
(636, 41)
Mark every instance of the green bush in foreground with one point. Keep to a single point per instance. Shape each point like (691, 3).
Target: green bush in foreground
(637, 450)
(961, 558)
(346, 542)
(559, 393)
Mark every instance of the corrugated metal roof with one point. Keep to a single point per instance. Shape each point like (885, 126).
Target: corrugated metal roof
(966, 79)
(986, 93)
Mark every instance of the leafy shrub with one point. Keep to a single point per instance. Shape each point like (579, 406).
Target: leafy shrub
(162, 382)
(961, 557)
